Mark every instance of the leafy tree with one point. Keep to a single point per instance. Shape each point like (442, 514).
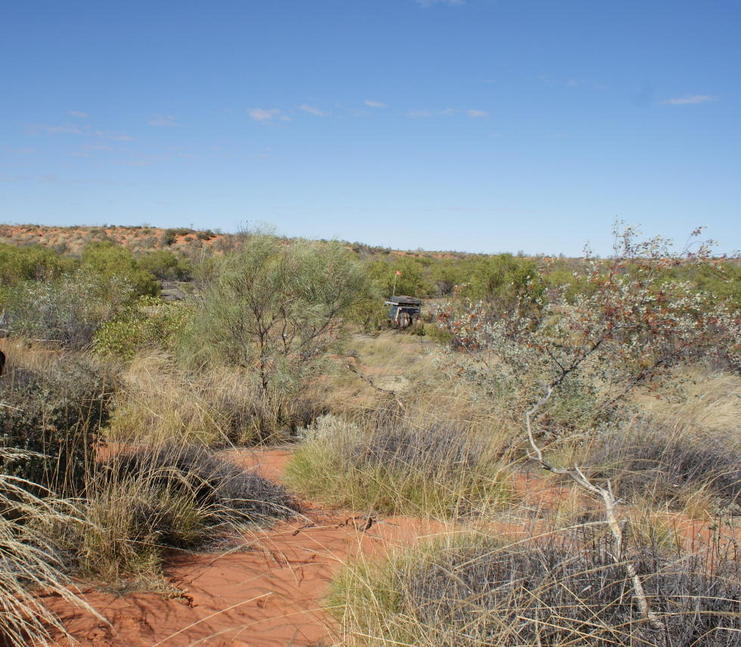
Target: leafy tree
(275, 308)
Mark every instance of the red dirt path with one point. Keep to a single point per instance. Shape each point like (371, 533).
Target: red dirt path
(268, 595)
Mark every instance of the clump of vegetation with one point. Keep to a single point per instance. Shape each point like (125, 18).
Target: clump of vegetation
(669, 463)
(53, 412)
(389, 464)
(217, 406)
(29, 560)
(145, 326)
(165, 265)
(274, 309)
(107, 260)
(170, 496)
(66, 311)
(559, 590)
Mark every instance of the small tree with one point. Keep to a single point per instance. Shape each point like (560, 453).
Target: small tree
(629, 327)
(275, 307)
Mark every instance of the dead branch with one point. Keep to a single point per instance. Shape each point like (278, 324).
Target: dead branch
(610, 503)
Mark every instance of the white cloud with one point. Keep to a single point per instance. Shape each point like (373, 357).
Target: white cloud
(430, 3)
(77, 113)
(477, 114)
(163, 121)
(419, 114)
(695, 98)
(312, 110)
(267, 114)
(374, 104)
(116, 137)
(61, 130)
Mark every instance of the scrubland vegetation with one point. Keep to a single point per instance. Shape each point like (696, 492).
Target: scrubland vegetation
(612, 381)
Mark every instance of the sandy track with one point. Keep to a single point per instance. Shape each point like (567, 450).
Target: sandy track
(268, 594)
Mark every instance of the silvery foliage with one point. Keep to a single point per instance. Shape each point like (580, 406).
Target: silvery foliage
(68, 310)
(630, 326)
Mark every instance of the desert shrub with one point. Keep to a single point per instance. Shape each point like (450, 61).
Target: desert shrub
(68, 310)
(387, 464)
(475, 591)
(30, 263)
(53, 413)
(669, 462)
(165, 265)
(274, 309)
(107, 260)
(170, 496)
(149, 324)
(29, 562)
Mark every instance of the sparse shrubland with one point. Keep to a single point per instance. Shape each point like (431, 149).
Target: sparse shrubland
(616, 376)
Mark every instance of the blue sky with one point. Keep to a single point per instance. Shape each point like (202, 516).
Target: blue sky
(478, 125)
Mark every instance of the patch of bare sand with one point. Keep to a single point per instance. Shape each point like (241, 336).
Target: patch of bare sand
(267, 594)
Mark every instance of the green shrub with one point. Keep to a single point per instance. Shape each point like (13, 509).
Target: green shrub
(274, 309)
(149, 324)
(55, 413)
(107, 260)
(69, 310)
(32, 262)
(165, 265)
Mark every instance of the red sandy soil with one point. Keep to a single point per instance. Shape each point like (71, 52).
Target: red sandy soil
(270, 592)
(73, 239)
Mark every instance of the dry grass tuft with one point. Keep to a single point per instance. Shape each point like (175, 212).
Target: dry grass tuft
(561, 589)
(218, 406)
(29, 563)
(387, 463)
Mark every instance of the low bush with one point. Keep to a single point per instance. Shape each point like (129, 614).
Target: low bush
(670, 463)
(66, 311)
(53, 411)
(474, 591)
(147, 325)
(387, 464)
(107, 260)
(169, 496)
(28, 563)
(165, 265)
